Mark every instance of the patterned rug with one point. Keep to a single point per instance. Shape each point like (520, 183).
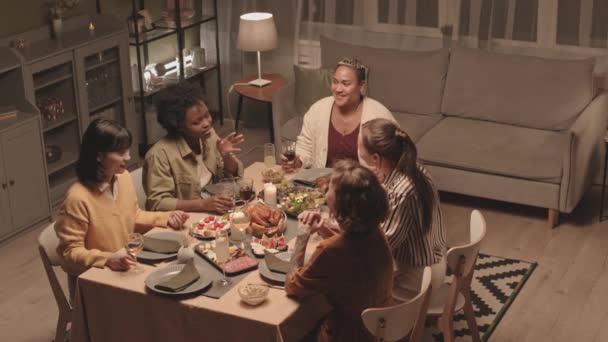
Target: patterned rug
(496, 283)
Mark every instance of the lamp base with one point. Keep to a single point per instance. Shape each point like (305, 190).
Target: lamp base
(259, 82)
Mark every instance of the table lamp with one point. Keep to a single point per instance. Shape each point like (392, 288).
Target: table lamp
(257, 32)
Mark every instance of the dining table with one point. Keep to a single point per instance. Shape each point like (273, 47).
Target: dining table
(117, 306)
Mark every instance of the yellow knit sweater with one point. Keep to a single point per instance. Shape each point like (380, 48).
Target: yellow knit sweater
(91, 226)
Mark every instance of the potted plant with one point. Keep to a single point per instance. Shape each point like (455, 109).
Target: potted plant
(58, 9)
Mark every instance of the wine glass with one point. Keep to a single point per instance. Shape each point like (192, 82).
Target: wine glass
(246, 191)
(222, 254)
(240, 225)
(269, 155)
(289, 150)
(135, 243)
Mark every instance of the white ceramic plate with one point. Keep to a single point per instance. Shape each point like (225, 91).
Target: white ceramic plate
(152, 256)
(164, 273)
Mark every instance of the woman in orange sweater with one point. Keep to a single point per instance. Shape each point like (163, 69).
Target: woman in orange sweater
(100, 209)
(352, 269)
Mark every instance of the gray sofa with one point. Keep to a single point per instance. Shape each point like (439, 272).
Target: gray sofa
(513, 128)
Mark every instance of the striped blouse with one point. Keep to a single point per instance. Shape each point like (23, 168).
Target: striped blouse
(402, 226)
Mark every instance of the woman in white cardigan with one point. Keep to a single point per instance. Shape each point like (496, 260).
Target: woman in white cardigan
(332, 125)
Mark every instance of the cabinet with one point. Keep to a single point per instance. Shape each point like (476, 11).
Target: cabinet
(72, 81)
(195, 29)
(24, 184)
(24, 197)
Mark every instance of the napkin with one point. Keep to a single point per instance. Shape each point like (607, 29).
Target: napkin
(179, 282)
(161, 245)
(275, 263)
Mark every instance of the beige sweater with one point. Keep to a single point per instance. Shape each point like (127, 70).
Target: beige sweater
(91, 226)
(311, 145)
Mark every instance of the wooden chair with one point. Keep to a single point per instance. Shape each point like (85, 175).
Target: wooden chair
(47, 246)
(396, 322)
(136, 176)
(450, 298)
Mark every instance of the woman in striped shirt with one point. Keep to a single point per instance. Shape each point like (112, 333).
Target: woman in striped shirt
(414, 226)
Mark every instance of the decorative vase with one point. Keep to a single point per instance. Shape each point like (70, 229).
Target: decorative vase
(57, 27)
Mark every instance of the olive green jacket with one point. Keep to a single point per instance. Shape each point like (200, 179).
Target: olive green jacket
(170, 171)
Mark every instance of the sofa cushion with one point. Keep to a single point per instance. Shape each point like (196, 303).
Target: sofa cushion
(519, 90)
(310, 86)
(495, 148)
(403, 81)
(416, 125)
(291, 129)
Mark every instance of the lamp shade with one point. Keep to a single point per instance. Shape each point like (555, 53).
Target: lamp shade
(257, 32)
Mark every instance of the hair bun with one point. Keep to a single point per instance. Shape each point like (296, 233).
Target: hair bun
(400, 133)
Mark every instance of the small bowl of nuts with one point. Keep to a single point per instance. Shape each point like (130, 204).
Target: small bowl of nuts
(253, 294)
(273, 175)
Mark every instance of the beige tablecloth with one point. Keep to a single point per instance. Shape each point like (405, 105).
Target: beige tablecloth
(115, 306)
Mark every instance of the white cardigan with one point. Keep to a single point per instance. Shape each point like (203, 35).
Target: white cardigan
(311, 145)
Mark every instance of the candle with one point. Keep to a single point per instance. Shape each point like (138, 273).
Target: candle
(91, 29)
(270, 194)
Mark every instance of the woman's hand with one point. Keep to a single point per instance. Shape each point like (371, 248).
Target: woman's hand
(120, 261)
(177, 219)
(290, 166)
(329, 228)
(309, 217)
(217, 204)
(318, 224)
(228, 144)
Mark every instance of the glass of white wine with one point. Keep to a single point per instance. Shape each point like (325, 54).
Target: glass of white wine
(269, 155)
(135, 243)
(222, 254)
(240, 226)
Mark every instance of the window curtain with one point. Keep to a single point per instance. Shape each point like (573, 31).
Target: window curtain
(547, 28)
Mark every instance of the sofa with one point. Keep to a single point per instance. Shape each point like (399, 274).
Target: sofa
(519, 129)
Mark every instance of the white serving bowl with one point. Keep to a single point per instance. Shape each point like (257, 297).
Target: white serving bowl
(253, 294)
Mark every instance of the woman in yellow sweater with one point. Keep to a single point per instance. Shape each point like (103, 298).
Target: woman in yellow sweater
(100, 209)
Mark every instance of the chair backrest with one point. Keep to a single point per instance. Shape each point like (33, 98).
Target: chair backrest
(467, 254)
(47, 246)
(49, 241)
(136, 176)
(395, 322)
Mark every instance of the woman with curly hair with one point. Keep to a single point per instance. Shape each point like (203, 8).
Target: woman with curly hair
(190, 156)
(358, 202)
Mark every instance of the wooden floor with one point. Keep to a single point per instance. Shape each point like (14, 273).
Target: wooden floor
(566, 298)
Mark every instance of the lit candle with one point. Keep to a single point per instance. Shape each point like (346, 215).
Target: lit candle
(91, 29)
(270, 194)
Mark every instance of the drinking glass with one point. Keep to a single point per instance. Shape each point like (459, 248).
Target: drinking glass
(269, 155)
(246, 192)
(240, 224)
(289, 150)
(228, 190)
(222, 254)
(135, 243)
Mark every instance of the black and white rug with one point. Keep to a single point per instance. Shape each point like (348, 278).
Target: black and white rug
(496, 283)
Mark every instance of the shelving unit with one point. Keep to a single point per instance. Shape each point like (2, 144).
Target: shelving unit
(205, 18)
(86, 73)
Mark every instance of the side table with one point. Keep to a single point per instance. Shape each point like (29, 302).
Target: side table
(602, 217)
(263, 94)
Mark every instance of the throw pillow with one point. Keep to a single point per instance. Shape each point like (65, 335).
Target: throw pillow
(311, 85)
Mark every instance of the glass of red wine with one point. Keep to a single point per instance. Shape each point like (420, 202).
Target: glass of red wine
(289, 150)
(246, 191)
